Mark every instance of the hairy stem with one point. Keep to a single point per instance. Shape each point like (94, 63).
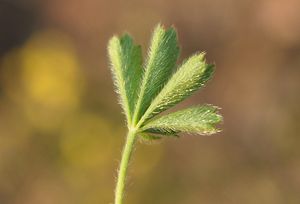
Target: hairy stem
(127, 151)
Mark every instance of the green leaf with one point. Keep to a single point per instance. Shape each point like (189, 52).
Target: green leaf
(162, 132)
(126, 61)
(196, 120)
(153, 135)
(191, 76)
(161, 61)
(149, 137)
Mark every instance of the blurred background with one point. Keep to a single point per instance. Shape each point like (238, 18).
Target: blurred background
(61, 130)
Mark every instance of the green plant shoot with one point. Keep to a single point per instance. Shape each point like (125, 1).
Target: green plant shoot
(148, 88)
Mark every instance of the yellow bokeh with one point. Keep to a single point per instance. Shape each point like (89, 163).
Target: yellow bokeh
(50, 79)
(51, 70)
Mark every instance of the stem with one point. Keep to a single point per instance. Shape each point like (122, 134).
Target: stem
(127, 151)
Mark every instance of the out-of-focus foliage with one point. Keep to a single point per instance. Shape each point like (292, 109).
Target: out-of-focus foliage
(60, 126)
(49, 81)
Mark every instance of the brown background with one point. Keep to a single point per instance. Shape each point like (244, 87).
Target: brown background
(61, 130)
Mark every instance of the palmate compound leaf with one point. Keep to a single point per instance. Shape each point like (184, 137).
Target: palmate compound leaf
(126, 66)
(196, 120)
(161, 61)
(191, 76)
(143, 95)
(157, 93)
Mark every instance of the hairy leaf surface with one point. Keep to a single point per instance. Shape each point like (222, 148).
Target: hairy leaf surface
(162, 57)
(191, 76)
(126, 60)
(162, 132)
(196, 120)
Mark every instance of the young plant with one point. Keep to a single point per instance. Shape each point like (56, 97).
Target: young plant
(147, 89)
